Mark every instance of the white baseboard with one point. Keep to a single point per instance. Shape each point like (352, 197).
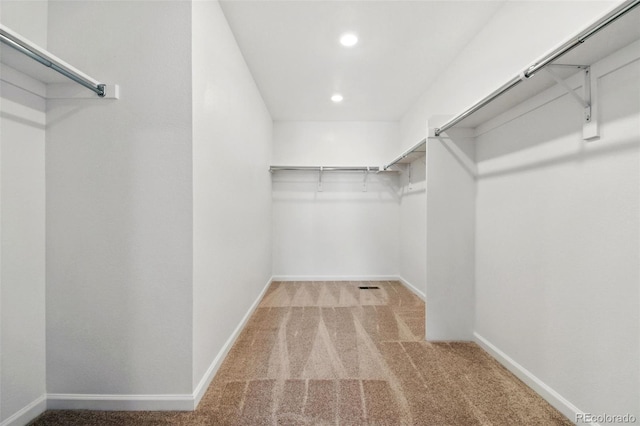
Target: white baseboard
(335, 277)
(104, 402)
(404, 282)
(413, 288)
(181, 402)
(544, 390)
(200, 390)
(178, 402)
(28, 413)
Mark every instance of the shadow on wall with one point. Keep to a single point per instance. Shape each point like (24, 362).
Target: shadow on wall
(13, 94)
(533, 132)
(457, 145)
(67, 108)
(536, 131)
(22, 120)
(579, 156)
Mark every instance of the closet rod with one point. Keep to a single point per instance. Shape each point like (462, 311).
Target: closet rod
(609, 18)
(13, 40)
(327, 168)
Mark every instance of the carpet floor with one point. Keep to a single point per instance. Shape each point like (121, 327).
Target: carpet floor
(330, 353)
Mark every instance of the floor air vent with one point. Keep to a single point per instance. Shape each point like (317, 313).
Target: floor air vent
(368, 287)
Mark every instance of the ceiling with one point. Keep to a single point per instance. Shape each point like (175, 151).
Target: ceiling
(292, 49)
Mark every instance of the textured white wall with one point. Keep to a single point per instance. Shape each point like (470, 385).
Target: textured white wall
(500, 51)
(27, 18)
(22, 230)
(22, 246)
(558, 246)
(232, 132)
(119, 203)
(342, 231)
(335, 143)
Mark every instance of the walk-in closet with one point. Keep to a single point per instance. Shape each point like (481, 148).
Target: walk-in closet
(319, 212)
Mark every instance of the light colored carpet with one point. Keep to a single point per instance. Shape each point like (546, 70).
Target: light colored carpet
(329, 353)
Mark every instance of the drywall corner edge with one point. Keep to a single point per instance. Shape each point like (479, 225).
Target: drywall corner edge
(178, 402)
(540, 387)
(413, 288)
(208, 376)
(28, 413)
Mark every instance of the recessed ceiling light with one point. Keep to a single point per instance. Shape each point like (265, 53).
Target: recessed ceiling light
(337, 98)
(348, 39)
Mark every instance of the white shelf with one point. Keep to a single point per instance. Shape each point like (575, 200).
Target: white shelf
(612, 38)
(362, 169)
(21, 70)
(415, 152)
(410, 155)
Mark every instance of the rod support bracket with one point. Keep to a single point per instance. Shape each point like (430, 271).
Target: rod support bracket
(585, 100)
(587, 94)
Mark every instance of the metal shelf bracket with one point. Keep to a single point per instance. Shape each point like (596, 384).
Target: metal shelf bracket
(584, 102)
(588, 100)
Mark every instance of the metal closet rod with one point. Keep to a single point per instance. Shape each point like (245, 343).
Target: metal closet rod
(612, 16)
(11, 40)
(327, 168)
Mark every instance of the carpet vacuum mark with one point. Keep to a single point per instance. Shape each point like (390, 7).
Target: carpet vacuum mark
(329, 353)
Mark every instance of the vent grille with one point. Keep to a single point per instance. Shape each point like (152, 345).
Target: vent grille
(366, 287)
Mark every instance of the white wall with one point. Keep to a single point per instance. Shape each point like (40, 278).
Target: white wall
(412, 243)
(558, 246)
(499, 52)
(232, 132)
(22, 238)
(450, 237)
(22, 118)
(119, 205)
(341, 232)
(28, 18)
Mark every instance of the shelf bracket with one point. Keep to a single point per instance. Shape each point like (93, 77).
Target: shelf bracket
(584, 102)
(590, 128)
(320, 179)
